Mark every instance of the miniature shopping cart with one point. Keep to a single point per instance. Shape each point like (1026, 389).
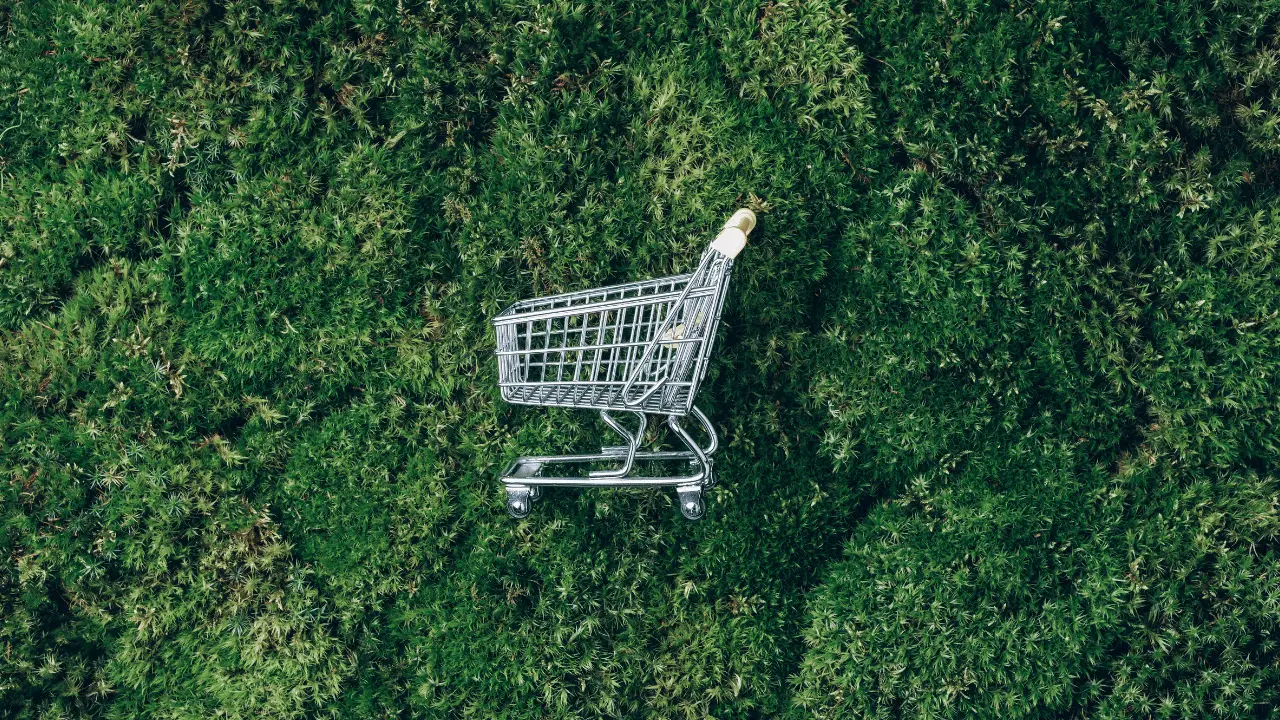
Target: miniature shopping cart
(637, 348)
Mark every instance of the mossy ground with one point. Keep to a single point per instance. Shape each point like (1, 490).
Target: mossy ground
(997, 377)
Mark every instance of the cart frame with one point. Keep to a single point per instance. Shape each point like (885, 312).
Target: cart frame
(639, 348)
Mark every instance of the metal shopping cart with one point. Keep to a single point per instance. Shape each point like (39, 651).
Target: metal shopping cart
(636, 348)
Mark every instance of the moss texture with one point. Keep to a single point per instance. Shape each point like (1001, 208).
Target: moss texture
(997, 377)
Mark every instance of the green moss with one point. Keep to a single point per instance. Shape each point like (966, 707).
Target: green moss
(996, 379)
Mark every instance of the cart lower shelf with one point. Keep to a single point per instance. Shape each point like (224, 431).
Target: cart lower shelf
(525, 478)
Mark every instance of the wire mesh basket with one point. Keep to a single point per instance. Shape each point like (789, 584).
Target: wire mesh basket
(639, 348)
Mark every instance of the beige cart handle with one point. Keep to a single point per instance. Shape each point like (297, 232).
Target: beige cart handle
(733, 236)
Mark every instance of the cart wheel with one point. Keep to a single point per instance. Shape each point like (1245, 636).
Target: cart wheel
(519, 501)
(518, 507)
(691, 505)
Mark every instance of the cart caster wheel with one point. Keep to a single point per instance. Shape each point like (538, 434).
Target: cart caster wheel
(691, 505)
(692, 509)
(518, 508)
(519, 501)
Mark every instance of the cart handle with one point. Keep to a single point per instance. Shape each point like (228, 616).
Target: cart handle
(733, 236)
(729, 242)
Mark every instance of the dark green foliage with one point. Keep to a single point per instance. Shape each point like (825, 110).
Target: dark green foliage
(997, 378)
(1058, 589)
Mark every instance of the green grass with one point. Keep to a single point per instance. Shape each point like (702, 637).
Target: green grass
(997, 378)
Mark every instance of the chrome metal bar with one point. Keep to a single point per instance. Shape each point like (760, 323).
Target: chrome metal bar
(633, 444)
(523, 308)
(556, 312)
(516, 474)
(711, 448)
(587, 482)
(644, 455)
(608, 346)
(704, 463)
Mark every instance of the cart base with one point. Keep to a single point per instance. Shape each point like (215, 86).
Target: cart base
(525, 477)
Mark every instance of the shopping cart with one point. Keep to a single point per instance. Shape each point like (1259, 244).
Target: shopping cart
(637, 348)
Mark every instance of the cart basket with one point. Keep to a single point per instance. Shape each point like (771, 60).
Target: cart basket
(641, 347)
